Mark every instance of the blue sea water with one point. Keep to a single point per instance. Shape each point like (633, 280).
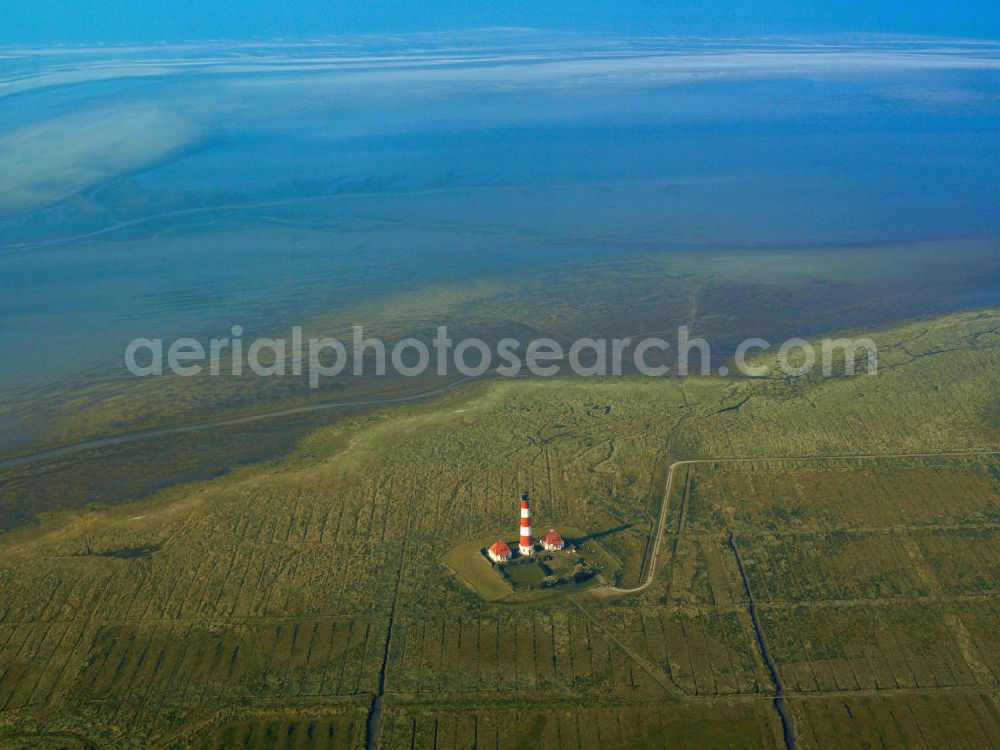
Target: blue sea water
(164, 191)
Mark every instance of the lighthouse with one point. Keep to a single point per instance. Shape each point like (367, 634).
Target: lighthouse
(526, 544)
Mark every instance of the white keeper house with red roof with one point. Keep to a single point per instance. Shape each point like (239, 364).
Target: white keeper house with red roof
(553, 542)
(499, 552)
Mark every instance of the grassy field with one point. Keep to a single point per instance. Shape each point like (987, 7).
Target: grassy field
(269, 606)
(468, 563)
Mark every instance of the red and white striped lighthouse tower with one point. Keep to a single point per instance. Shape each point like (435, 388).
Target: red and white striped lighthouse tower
(526, 544)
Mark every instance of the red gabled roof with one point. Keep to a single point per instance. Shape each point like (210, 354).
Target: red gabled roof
(500, 548)
(553, 537)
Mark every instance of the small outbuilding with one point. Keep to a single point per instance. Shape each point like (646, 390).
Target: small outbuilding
(499, 552)
(552, 541)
